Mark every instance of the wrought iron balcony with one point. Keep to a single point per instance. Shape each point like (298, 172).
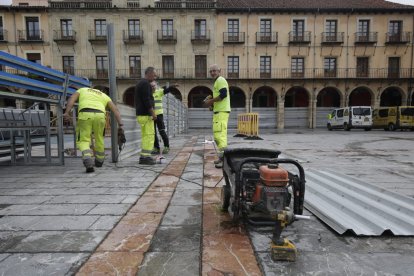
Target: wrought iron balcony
(257, 73)
(32, 36)
(3, 36)
(266, 37)
(64, 36)
(231, 37)
(198, 37)
(332, 38)
(96, 37)
(133, 37)
(398, 38)
(366, 37)
(299, 37)
(167, 37)
(87, 4)
(176, 4)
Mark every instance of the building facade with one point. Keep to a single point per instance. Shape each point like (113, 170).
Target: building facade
(291, 61)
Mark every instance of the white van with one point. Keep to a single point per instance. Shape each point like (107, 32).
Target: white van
(350, 117)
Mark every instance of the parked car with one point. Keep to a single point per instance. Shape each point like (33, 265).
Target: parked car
(394, 117)
(350, 117)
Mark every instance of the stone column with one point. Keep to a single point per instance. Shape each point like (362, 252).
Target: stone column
(280, 113)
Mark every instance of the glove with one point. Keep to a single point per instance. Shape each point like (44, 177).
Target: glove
(121, 138)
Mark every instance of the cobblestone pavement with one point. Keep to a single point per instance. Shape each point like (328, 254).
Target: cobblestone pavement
(128, 219)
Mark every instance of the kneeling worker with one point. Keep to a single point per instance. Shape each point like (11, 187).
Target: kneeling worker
(91, 119)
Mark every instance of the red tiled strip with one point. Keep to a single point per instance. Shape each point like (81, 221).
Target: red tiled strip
(123, 250)
(226, 247)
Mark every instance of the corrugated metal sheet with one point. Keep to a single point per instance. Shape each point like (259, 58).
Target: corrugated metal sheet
(296, 117)
(322, 116)
(348, 204)
(267, 117)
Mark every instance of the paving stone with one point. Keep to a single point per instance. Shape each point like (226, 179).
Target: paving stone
(45, 223)
(176, 239)
(105, 223)
(170, 263)
(47, 209)
(59, 241)
(339, 263)
(9, 239)
(109, 209)
(112, 263)
(190, 184)
(24, 199)
(182, 215)
(187, 197)
(87, 199)
(3, 256)
(41, 264)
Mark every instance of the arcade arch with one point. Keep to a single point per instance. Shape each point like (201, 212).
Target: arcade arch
(360, 96)
(391, 96)
(264, 102)
(297, 107)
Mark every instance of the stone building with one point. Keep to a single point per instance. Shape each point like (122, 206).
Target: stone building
(291, 61)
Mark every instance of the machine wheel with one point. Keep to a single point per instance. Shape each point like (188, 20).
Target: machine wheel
(225, 198)
(329, 127)
(391, 127)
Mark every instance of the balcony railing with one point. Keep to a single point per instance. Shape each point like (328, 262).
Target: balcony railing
(397, 38)
(195, 4)
(332, 37)
(60, 36)
(266, 37)
(200, 38)
(136, 37)
(133, 4)
(30, 35)
(95, 37)
(256, 73)
(233, 37)
(167, 37)
(362, 37)
(87, 4)
(299, 37)
(3, 36)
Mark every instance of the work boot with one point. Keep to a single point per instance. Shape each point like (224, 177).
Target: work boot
(155, 151)
(146, 160)
(88, 165)
(219, 164)
(166, 150)
(98, 163)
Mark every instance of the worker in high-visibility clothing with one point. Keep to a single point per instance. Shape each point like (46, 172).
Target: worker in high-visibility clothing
(158, 93)
(221, 111)
(91, 119)
(145, 112)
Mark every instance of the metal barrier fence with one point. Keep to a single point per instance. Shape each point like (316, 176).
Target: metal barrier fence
(175, 119)
(248, 125)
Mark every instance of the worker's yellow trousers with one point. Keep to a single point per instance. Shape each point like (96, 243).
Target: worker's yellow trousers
(220, 120)
(88, 123)
(147, 134)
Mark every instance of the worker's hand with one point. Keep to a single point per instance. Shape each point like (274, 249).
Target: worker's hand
(208, 103)
(66, 117)
(154, 117)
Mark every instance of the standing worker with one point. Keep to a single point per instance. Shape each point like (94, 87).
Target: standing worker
(91, 119)
(144, 104)
(158, 94)
(221, 110)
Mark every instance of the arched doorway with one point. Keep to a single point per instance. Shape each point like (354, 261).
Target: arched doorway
(360, 96)
(198, 116)
(264, 102)
(327, 99)
(237, 98)
(391, 96)
(176, 93)
(296, 107)
(129, 97)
